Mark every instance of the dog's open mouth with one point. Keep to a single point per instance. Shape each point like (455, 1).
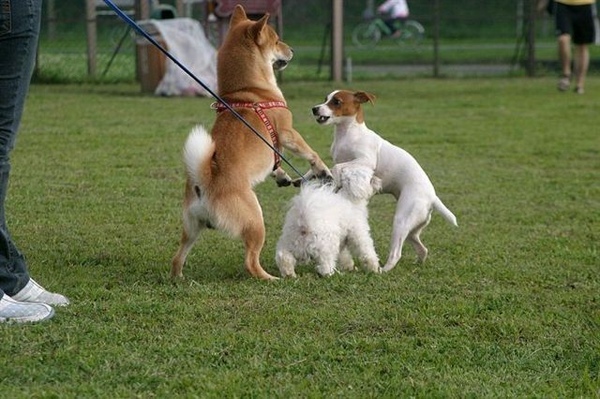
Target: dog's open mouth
(321, 119)
(279, 65)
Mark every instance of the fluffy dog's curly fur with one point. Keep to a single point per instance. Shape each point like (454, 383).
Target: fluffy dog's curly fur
(328, 223)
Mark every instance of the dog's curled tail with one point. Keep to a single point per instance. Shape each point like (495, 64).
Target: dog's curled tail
(197, 153)
(439, 206)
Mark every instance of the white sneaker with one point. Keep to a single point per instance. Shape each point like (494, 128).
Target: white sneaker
(564, 82)
(23, 312)
(33, 292)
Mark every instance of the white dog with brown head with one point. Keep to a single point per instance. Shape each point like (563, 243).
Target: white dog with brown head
(328, 223)
(401, 174)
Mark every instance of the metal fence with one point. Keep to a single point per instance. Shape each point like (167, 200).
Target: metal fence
(459, 39)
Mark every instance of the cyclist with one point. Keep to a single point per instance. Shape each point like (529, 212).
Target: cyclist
(397, 10)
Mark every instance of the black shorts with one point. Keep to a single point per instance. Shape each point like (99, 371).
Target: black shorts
(578, 21)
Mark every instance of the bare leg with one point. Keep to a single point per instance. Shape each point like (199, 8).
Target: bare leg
(582, 62)
(564, 57)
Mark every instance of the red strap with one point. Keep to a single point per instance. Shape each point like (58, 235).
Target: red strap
(264, 105)
(258, 108)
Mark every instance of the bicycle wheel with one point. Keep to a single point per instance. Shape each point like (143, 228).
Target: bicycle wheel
(365, 34)
(412, 33)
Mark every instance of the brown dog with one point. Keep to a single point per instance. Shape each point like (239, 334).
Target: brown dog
(223, 167)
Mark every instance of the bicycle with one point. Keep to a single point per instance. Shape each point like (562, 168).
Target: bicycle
(369, 33)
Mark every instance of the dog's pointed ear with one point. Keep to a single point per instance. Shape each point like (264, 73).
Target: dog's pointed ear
(238, 15)
(363, 97)
(258, 27)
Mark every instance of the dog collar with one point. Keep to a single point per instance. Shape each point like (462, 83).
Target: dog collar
(258, 107)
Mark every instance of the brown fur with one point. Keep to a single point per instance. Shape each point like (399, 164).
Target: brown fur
(238, 159)
(348, 103)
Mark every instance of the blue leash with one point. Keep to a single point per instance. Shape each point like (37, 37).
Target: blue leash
(142, 32)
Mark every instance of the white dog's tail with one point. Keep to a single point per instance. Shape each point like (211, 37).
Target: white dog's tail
(439, 206)
(197, 152)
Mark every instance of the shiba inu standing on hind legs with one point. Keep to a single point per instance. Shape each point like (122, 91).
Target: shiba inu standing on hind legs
(224, 166)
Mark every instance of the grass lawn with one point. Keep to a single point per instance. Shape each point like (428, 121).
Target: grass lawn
(507, 305)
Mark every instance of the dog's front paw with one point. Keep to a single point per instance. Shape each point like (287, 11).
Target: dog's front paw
(372, 265)
(283, 182)
(325, 271)
(298, 182)
(281, 177)
(287, 273)
(326, 177)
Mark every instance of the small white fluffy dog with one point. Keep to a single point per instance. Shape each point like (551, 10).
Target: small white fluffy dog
(401, 174)
(328, 223)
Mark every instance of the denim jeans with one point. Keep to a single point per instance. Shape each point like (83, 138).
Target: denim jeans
(19, 32)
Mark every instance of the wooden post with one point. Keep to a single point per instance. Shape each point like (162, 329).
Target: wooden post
(90, 14)
(180, 9)
(337, 40)
(51, 19)
(436, 38)
(142, 9)
(531, 38)
(520, 18)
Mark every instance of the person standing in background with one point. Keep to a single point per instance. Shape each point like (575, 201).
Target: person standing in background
(21, 298)
(577, 24)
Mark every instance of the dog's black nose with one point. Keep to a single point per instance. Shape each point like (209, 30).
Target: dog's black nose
(315, 110)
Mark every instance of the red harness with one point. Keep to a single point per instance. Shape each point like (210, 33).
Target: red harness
(258, 108)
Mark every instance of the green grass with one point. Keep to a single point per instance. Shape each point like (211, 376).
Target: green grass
(506, 305)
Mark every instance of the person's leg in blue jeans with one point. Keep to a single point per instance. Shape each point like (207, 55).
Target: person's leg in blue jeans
(19, 32)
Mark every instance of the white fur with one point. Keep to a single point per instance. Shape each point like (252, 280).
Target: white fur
(197, 147)
(401, 176)
(327, 223)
